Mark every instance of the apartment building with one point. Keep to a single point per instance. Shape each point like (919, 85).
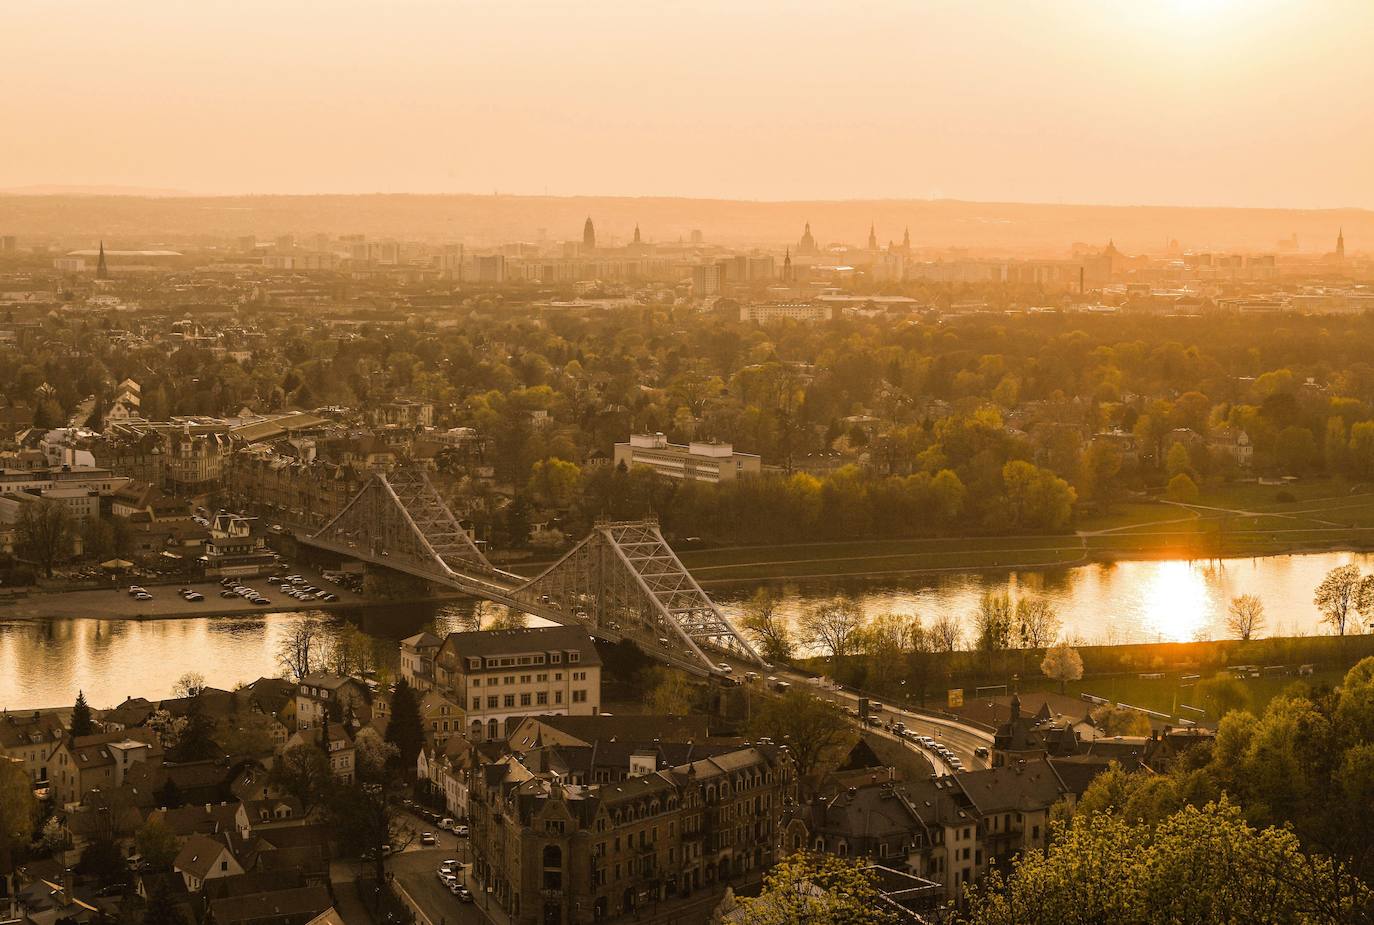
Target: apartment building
(500, 676)
(552, 853)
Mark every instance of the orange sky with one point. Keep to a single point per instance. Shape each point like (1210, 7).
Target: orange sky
(1206, 102)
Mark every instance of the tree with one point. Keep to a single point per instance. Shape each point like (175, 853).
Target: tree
(1182, 489)
(189, 684)
(1338, 595)
(18, 815)
(946, 633)
(767, 626)
(1112, 720)
(81, 716)
(670, 692)
(44, 532)
(992, 622)
(197, 739)
(820, 888)
(372, 755)
(300, 650)
(816, 731)
(833, 627)
(1198, 865)
(1037, 498)
(1245, 617)
(555, 482)
(366, 821)
(303, 771)
(156, 843)
(245, 733)
(1037, 622)
(162, 908)
(1177, 462)
(405, 729)
(1222, 694)
(1062, 663)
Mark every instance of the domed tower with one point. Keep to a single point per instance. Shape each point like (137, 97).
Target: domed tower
(588, 235)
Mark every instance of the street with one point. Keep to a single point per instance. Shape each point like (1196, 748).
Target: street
(415, 869)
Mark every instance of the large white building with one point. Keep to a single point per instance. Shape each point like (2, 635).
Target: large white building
(696, 461)
(501, 676)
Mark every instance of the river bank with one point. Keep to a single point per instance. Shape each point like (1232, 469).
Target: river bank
(167, 604)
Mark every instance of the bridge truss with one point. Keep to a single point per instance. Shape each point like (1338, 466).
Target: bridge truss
(623, 581)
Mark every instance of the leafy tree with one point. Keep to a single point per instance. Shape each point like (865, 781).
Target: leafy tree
(82, 724)
(303, 771)
(156, 843)
(1117, 721)
(366, 821)
(814, 887)
(670, 692)
(1062, 663)
(168, 796)
(1038, 499)
(405, 729)
(816, 731)
(1178, 462)
(18, 815)
(189, 684)
(197, 739)
(993, 622)
(555, 482)
(1222, 694)
(44, 532)
(162, 908)
(1198, 865)
(372, 756)
(1182, 488)
(1245, 616)
(1338, 595)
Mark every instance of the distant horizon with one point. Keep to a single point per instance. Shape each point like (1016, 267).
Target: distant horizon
(95, 191)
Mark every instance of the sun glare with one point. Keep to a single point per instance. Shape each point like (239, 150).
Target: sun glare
(1175, 602)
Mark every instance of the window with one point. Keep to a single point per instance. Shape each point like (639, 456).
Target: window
(524, 700)
(542, 678)
(524, 679)
(491, 702)
(557, 696)
(579, 696)
(477, 703)
(574, 656)
(509, 700)
(541, 698)
(556, 658)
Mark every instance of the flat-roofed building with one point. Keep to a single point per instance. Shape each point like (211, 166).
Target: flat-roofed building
(698, 461)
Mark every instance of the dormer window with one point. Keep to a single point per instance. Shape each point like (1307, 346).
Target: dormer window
(574, 656)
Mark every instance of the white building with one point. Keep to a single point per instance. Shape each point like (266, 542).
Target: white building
(698, 461)
(501, 676)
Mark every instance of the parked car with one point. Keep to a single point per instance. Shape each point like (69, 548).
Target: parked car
(427, 838)
(227, 593)
(143, 596)
(463, 893)
(460, 830)
(447, 824)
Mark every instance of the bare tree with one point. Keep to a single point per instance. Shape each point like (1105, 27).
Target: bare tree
(993, 622)
(1338, 595)
(301, 650)
(833, 626)
(1062, 663)
(44, 532)
(946, 633)
(1245, 616)
(766, 626)
(1037, 623)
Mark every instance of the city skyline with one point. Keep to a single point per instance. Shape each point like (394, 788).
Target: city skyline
(1204, 102)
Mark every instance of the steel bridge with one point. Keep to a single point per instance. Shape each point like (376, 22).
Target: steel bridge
(622, 582)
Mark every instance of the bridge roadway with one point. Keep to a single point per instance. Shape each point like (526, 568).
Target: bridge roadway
(960, 738)
(502, 587)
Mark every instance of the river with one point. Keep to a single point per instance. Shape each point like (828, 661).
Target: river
(44, 662)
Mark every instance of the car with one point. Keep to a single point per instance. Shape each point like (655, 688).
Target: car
(450, 865)
(134, 589)
(227, 582)
(446, 876)
(143, 596)
(460, 830)
(195, 597)
(327, 596)
(725, 668)
(463, 893)
(227, 593)
(427, 838)
(446, 823)
(981, 751)
(260, 600)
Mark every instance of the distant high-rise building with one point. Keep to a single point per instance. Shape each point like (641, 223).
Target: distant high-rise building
(636, 232)
(906, 240)
(8, 244)
(706, 280)
(697, 236)
(807, 245)
(588, 235)
(101, 270)
(1340, 244)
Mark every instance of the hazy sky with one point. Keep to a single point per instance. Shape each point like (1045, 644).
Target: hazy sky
(1207, 102)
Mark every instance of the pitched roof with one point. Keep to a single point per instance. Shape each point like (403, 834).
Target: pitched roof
(298, 904)
(529, 640)
(199, 855)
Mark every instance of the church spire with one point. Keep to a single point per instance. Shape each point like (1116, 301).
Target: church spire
(787, 266)
(1340, 244)
(101, 270)
(636, 232)
(872, 237)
